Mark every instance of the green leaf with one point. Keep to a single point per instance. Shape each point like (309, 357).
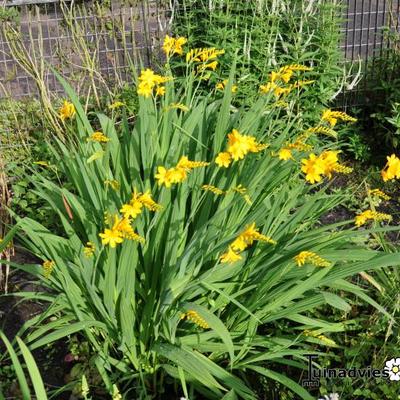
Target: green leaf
(33, 370)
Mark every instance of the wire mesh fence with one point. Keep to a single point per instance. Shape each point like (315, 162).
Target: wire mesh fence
(104, 43)
(366, 31)
(92, 43)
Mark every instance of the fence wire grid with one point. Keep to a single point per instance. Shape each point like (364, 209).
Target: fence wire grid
(103, 41)
(127, 33)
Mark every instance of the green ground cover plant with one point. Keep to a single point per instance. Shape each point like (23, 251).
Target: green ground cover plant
(189, 236)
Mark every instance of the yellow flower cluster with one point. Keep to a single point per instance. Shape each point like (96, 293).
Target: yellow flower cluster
(238, 146)
(332, 117)
(116, 104)
(193, 316)
(285, 153)
(321, 129)
(67, 111)
(173, 46)
(242, 242)
(135, 206)
(120, 230)
(98, 137)
(392, 168)
(179, 173)
(238, 189)
(148, 81)
(378, 193)
(48, 267)
(370, 215)
(203, 55)
(206, 56)
(277, 80)
(313, 258)
(214, 189)
(222, 85)
(325, 164)
(89, 249)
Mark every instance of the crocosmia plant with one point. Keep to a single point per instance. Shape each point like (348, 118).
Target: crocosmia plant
(192, 251)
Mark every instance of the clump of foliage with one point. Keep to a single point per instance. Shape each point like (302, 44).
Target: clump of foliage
(267, 34)
(187, 237)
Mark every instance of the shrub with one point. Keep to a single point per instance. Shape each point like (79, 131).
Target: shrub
(190, 237)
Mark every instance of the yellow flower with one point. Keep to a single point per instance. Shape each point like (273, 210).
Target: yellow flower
(243, 192)
(148, 80)
(116, 104)
(223, 159)
(213, 189)
(268, 87)
(329, 161)
(322, 129)
(145, 89)
(89, 249)
(250, 234)
(99, 137)
(160, 91)
(168, 45)
(313, 258)
(48, 267)
(367, 215)
(222, 85)
(179, 42)
(67, 111)
(203, 67)
(238, 145)
(247, 238)
(300, 84)
(194, 317)
(111, 237)
(203, 55)
(379, 193)
(279, 91)
(325, 164)
(125, 228)
(239, 244)
(285, 154)
(230, 256)
(131, 210)
(313, 168)
(391, 169)
(179, 173)
(163, 177)
(332, 117)
(173, 46)
(148, 202)
(148, 77)
(185, 163)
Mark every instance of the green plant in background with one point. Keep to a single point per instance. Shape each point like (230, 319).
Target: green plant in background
(188, 237)
(268, 34)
